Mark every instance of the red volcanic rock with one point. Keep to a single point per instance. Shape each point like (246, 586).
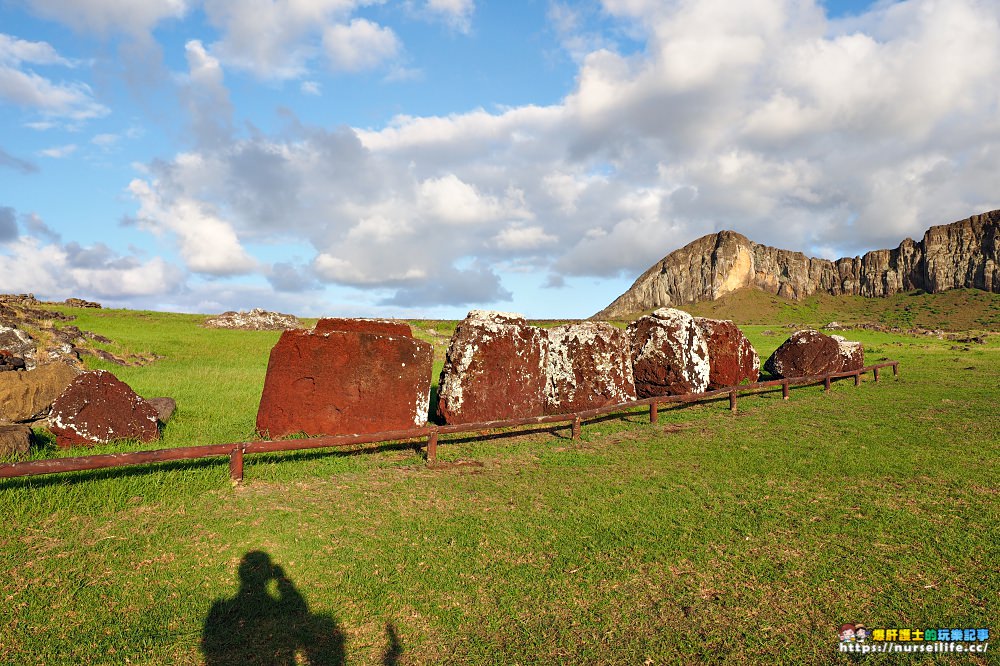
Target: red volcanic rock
(97, 408)
(804, 354)
(343, 382)
(589, 365)
(373, 326)
(669, 354)
(494, 370)
(852, 354)
(731, 357)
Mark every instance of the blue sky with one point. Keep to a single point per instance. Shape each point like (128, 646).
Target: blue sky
(420, 158)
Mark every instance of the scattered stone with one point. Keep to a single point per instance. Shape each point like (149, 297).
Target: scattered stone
(255, 320)
(732, 360)
(97, 408)
(836, 326)
(165, 408)
(494, 370)
(669, 354)
(804, 354)
(852, 354)
(344, 382)
(9, 362)
(18, 343)
(373, 326)
(589, 365)
(28, 396)
(15, 440)
(80, 303)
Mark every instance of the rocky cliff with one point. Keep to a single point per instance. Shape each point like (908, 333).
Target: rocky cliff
(950, 256)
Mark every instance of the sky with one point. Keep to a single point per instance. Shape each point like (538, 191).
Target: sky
(421, 158)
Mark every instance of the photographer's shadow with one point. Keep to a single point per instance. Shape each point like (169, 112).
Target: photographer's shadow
(258, 627)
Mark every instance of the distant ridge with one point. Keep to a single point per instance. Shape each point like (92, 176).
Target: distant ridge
(950, 256)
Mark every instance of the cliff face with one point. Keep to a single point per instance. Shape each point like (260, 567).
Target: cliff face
(950, 256)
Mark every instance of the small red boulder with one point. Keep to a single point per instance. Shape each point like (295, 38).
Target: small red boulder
(852, 354)
(494, 370)
(589, 365)
(805, 354)
(731, 358)
(97, 408)
(344, 382)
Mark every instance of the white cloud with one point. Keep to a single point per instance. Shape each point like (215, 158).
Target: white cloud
(207, 243)
(106, 16)
(311, 88)
(456, 13)
(73, 100)
(58, 152)
(359, 45)
(521, 238)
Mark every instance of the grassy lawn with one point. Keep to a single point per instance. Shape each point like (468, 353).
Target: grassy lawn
(707, 538)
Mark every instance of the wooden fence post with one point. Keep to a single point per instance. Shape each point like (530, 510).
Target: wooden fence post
(654, 415)
(875, 370)
(576, 427)
(732, 401)
(826, 383)
(784, 389)
(236, 464)
(432, 446)
(857, 378)
(895, 369)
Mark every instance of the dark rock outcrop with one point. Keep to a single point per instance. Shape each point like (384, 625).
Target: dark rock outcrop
(804, 354)
(97, 408)
(731, 358)
(669, 354)
(344, 382)
(15, 440)
(964, 254)
(28, 396)
(494, 370)
(589, 365)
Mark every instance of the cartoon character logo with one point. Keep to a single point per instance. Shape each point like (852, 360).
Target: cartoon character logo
(846, 633)
(861, 633)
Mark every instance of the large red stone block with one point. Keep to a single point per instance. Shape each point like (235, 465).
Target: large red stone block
(669, 354)
(97, 408)
(804, 354)
(732, 360)
(344, 382)
(373, 326)
(589, 365)
(494, 370)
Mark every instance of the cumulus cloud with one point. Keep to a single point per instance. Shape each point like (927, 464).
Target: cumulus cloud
(206, 97)
(106, 16)
(8, 224)
(763, 116)
(359, 45)
(22, 87)
(58, 152)
(38, 263)
(456, 13)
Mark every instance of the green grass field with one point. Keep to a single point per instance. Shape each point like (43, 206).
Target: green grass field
(707, 538)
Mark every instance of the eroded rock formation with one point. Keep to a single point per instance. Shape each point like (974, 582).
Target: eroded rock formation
(731, 358)
(957, 255)
(804, 354)
(97, 407)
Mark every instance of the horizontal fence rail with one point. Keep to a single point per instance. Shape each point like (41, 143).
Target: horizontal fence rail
(237, 451)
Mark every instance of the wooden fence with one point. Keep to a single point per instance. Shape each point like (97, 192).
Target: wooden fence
(237, 451)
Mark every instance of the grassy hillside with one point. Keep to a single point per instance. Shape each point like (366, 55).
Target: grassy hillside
(956, 310)
(708, 538)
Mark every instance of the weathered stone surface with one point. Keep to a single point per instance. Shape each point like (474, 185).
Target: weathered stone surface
(342, 382)
(961, 254)
(18, 343)
(374, 326)
(165, 408)
(28, 396)
(732, 359)
(80, 303)
(97, 408)
(804, 354)
(255, 320)
(494, 370)
(15, 440)
(669, 354)
(589, 365)
(852, 354)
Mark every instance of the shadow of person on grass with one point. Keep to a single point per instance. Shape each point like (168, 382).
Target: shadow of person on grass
(268, 622)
